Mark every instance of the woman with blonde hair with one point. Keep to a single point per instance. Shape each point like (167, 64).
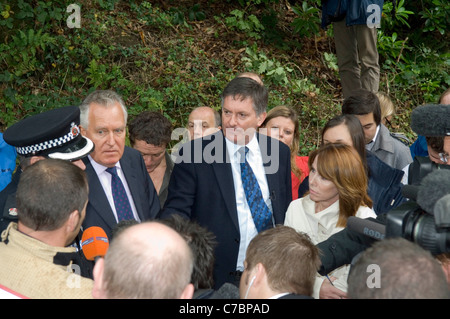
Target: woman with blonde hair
(282, 123)
(337, 190)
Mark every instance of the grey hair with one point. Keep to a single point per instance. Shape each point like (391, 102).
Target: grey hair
(102, 97)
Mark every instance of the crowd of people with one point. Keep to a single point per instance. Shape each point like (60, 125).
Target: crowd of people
(235, 212)
(231, 212)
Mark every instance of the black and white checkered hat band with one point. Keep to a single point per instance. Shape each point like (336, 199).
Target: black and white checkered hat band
(73, 133)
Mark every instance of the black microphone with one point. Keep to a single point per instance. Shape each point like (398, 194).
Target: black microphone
(433, 187)
(366, 227)
(431, 120)
(410, 191)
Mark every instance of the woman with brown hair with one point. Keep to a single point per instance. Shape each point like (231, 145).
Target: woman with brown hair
(282, 123)
(337, 190)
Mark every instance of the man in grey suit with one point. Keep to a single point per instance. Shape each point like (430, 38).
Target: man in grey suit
(119, 185)
(366, 107)
(207, 184)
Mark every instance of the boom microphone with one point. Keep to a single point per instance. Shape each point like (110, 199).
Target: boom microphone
(94, 243)
(433, 187)
(431, 120)
(366, 227)
(442, 212)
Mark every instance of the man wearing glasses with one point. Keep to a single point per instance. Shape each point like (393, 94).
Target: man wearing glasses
(431, 121)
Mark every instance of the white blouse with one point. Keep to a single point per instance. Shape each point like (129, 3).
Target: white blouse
(320, 226)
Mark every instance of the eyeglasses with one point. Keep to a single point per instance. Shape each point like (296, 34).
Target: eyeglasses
(443, 157)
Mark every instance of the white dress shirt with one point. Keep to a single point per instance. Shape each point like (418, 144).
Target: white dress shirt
(247, 227)
(105, 180)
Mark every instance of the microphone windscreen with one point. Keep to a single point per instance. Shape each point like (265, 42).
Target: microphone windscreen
(366, 227)
(94, 243)
(431, 120)
(433, 187)
(442, 212)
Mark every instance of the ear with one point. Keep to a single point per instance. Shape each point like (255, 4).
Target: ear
(82, 130)
(259, 272)
(34, 159)
(97, 291)
(262, 118)
(74, 221)
(188, 292)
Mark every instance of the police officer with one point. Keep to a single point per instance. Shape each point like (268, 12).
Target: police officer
(51, 134)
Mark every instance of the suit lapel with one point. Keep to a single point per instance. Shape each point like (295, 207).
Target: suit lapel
(132, 181)
(97, 197)
(224, 175)
(271, 166)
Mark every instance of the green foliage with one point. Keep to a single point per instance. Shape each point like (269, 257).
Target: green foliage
(249, 24)
(308, 21)
(400, 17)
(273, 70)
(436, 16)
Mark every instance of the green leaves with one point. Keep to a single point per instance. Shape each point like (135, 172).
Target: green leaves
(307, 22)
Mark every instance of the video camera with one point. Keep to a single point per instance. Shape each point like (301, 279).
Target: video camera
(425, 218)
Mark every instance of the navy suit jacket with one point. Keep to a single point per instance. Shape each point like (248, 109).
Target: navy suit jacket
(99, 212)
(201, 188)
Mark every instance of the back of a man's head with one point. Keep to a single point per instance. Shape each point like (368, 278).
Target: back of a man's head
(290, 259)
(202, 243)
(48, 192)
(397, 269)
(362, 102)
(147, 261)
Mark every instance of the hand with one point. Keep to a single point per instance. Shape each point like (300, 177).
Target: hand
(328, 291)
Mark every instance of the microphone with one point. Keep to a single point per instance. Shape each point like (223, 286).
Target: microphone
(94, 243)
(366, 227)
(442, 212)
(410, 191)
(433, 187)
(431, 120)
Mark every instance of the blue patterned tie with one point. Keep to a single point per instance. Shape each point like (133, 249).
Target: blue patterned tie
(121, 202)
(261, 214)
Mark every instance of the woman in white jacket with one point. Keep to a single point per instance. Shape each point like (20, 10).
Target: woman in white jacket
(337, 190)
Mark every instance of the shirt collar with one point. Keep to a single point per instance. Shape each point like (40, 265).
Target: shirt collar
(233, 148)
(370, 144)
(100, 168)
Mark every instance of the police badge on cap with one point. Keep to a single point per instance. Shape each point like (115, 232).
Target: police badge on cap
(55, 133)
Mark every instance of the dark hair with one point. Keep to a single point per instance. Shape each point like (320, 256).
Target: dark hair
(151, 127)
(48, 192)
(362, 102)
(202, 243)
(356, 132)
(243, 88)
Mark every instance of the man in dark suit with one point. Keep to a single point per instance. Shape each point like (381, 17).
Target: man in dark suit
(206, 183)
(119, 185)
